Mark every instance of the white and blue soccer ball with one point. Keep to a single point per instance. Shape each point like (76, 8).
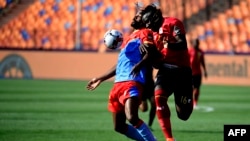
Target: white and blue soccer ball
(113, 39)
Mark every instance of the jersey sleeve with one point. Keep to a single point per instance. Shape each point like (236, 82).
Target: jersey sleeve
(178, 28)
(172, 27)
(147, 36)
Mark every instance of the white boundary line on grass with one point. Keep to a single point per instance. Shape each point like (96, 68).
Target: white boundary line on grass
(204, 108)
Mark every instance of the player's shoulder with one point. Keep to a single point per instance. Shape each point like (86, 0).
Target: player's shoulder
(147, 31)
(171, 19)
(143, 31)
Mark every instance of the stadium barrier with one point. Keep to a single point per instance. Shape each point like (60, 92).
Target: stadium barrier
(222, 69)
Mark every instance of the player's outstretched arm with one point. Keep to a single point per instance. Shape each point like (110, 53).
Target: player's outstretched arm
(95, 82)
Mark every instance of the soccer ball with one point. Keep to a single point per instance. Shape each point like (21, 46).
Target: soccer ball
(113, 39)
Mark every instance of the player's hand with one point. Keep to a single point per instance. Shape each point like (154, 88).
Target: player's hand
(143, 49)
(92, 84)
(135, 70)
(205, 74)
(165, 42)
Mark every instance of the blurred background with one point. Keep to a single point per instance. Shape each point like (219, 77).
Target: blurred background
(79, 25)
(33, 28)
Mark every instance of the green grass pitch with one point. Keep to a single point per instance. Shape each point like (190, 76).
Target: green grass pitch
(54, 110)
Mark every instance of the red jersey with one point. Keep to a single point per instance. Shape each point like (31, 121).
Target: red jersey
(157, 40)
(167, 28)
(170, 56)
(196, 59)
(145, 35)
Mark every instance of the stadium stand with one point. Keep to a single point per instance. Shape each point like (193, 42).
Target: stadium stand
(221, 26)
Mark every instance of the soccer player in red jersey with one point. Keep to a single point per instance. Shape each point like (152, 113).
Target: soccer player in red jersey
(198, 66)
(174, 76)
(129, 72)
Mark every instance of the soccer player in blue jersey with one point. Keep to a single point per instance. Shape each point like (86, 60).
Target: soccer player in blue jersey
(129, 72)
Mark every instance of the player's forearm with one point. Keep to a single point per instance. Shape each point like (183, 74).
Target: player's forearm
(180, 44)
(108, 75)
(144, 61)
(203, 64)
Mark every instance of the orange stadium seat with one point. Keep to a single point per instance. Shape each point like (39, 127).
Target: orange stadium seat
(52, 24)
(215, 26)
(226, 42)
(195, 6)
(3, 3)
(56, 16)
(188, 11)
(246, 23)
(244, 9)
(202, 4)
(220, 47)
(223, 22)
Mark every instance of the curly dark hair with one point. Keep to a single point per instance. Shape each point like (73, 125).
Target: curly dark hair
(152, 17)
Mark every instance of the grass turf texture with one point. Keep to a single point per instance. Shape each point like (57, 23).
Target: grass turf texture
(43, 110)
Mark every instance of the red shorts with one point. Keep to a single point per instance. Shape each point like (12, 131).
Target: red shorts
(120, 92)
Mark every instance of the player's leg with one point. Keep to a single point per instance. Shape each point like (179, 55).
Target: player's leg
(148, 95)
(144, 106)
(163, 113)
(131, 110)
(183, 94)
(152, 111)
(119, 116)
(151, 99)
(131, 100)
(119, 122)
(196, 89)
(118, 112)
(120, 126)
(162, 92)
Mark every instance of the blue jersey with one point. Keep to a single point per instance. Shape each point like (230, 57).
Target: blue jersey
(130, 55)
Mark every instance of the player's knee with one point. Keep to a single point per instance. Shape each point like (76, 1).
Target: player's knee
(133, 120)
(143, 108)
(119, 129)
(163, 112)
(184, 115)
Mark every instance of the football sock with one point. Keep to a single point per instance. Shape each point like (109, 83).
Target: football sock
(133, 133)
(195, 104)
(163, 114)
(170, 139)
(145, 132)
(166, 127)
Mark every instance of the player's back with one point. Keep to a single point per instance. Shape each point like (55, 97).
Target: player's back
(130, 55)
